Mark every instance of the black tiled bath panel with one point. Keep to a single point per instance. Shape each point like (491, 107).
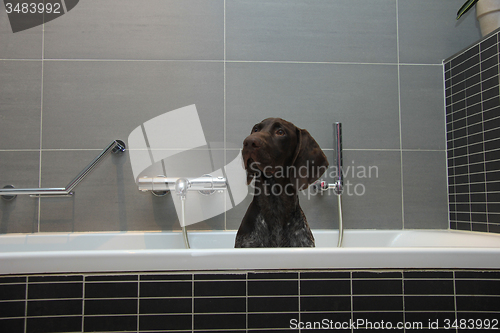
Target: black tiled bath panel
(240, 301)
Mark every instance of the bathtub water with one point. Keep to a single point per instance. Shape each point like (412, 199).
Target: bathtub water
(164, 251)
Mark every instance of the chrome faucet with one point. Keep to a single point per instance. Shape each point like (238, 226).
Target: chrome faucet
(160, 184)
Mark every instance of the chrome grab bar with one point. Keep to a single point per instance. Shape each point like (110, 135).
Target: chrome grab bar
(9, 192)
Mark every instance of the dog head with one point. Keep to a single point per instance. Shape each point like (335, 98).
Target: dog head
(277, 148)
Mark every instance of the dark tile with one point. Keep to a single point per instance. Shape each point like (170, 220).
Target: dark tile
(429, 303)
(489, 319)
(377, 325)
(12, 309)
(427, 275)
(374, 287)
(110, 323)
(427, 287)
(219, 277)
(473, 275)
(13, 292)
(165, 322)
(325, 303)
(325, 287)
(324, 275)
(11, 280)
(429, 319)
(431, 330)
(165, 305)
(54, 307)
(228, 331)
(166, 277)
(261, 288)
(12, 325)
(55, 278)
(271, 321)
(219, 321)
(55, 290)
(220, 288)
(321, 322)
(477, 287)
(478, 303)
(112, 306)
(273, 304)
(217, 305)
(165, 289)
(114, 278)
(372, 320)
(273, 276)
(377, 303)
(54, 324)
(105, 290)
(488, 43)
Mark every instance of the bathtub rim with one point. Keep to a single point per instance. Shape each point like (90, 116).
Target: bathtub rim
(248, 259)
(227, 259)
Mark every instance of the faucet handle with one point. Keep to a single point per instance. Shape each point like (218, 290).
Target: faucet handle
(322, 185)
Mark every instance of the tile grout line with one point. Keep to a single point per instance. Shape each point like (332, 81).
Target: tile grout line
(403, 297)
(26, 305)
(299, 297)
(84, 279)
(138, 300)
(224, 111)
(447, 160)
(232, 61)
(399, 112)
(455, 297)
(246, 301)
(192, 301)
(41, 129)
(352, 299)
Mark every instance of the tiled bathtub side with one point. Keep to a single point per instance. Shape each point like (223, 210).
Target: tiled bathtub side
(254, 301)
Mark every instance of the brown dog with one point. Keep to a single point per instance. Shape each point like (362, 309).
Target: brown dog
(282, 159)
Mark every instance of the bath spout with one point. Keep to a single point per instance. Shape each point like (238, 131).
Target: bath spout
(181, 188)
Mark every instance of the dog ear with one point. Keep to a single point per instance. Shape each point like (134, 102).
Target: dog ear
(309, 161)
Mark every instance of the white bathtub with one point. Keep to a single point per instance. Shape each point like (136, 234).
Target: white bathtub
(164, 251)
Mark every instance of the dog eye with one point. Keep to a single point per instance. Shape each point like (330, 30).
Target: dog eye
(255, 129)
(280, 132)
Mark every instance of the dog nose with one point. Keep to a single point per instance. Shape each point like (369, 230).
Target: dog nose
(252, 143)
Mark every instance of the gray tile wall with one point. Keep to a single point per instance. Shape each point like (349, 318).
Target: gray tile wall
(70, 87)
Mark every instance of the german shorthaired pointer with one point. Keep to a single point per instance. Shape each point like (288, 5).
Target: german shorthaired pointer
(282, 159)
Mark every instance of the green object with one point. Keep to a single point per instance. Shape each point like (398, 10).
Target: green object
(465, 8)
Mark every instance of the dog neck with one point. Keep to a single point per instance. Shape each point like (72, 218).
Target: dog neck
(277, 199)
